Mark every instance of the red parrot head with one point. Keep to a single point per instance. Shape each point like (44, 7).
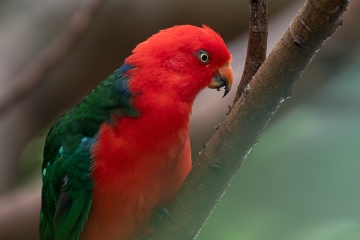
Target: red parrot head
(182, 60)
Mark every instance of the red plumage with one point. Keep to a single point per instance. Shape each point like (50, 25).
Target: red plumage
(140, 163)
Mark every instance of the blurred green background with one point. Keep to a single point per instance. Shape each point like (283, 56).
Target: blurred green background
(299, 182)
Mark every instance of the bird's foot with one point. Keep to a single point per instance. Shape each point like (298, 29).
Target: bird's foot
(158, 216)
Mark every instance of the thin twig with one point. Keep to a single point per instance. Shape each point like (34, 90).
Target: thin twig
(219, 162)
(36, 71)
(257, 43)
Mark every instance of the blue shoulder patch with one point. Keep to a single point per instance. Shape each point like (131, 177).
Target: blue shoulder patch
(125, 67)
(124, 79)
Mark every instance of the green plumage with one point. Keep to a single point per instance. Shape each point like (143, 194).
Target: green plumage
(67, 186)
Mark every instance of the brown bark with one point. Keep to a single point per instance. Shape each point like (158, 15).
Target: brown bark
(257, 43)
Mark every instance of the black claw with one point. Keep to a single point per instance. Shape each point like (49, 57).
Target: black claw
(166, 213)
(158, 216)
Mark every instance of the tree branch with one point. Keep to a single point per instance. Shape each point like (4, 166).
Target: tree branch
(257, 43)
(219, 162)
(37, 70)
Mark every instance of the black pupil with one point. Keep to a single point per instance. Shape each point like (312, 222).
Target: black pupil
(204, 57)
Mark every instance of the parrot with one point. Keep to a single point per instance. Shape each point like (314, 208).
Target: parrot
(120, 156)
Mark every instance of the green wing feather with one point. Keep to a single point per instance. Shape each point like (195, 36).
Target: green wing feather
(73, 199)
(67, 186)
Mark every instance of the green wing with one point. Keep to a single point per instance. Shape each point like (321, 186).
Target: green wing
(67, 186)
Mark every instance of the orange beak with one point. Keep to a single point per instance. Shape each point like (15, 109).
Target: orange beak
(223, 78)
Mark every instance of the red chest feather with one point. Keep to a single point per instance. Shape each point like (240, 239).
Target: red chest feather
(139, 166)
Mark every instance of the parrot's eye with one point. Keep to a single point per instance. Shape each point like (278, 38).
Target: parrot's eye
(203, 56)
